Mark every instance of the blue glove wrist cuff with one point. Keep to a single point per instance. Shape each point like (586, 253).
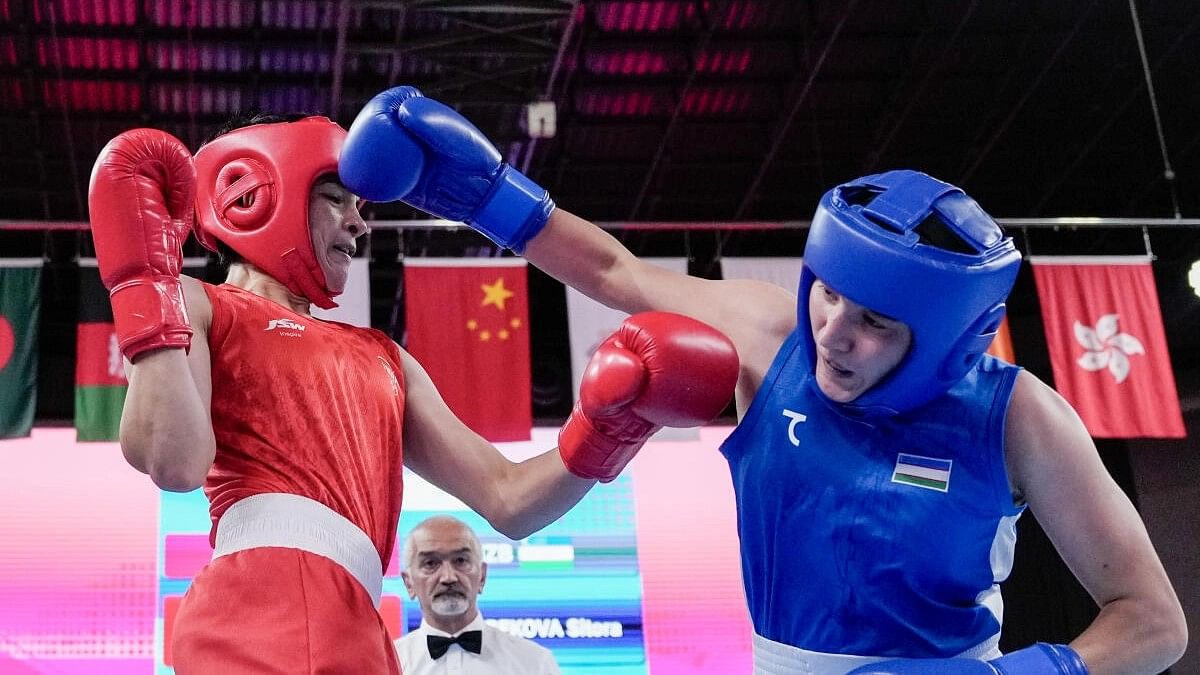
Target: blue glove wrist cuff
(1042, 659)
(515, 210)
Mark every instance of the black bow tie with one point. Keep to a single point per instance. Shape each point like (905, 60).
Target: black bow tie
(471, 641)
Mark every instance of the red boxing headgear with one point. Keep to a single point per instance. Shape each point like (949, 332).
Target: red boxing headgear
(252, 190)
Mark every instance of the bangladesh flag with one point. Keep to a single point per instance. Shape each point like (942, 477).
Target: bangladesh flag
(100, 382)
(20, 303)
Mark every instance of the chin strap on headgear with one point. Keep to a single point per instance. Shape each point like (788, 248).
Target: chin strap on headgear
(252, 191)
(872, 241)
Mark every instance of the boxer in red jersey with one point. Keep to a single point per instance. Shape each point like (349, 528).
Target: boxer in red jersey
(298, 428)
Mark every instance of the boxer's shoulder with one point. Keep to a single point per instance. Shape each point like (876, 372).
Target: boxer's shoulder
(199, 306)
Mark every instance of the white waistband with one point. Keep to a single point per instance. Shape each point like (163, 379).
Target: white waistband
(776, 658)
(292, 521)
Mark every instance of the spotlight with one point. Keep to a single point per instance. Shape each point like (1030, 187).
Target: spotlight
(1194, 278)
(539, 119)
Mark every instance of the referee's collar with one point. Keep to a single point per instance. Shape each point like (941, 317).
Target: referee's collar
(476, 624)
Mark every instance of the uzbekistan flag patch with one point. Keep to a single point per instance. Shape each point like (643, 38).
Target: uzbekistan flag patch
(926, 472)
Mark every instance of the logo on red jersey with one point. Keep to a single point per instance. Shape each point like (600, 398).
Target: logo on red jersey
(286, 327)
(387, 367)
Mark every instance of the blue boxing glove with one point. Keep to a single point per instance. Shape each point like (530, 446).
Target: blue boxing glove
(405, 146)
(1040, 659)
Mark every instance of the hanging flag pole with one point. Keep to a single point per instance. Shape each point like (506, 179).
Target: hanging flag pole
(467, 322)
(100, 383)
(1108, 349)
(20, 306)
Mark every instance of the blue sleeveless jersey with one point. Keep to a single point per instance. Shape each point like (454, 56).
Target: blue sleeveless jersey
(878, 536)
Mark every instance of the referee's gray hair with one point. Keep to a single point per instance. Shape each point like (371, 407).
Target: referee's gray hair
(409, 540)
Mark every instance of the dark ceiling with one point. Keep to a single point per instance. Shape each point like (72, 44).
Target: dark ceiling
(667, 110)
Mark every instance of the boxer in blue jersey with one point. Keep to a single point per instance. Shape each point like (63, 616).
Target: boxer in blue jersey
(881, 459)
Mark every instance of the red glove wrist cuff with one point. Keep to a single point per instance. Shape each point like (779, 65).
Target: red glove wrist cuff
(149, 313)
(590, 452)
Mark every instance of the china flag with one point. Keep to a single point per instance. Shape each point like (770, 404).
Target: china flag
(1107, 347)
(468, 324)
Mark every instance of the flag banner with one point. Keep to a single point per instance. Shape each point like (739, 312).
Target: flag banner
(20, 306)
(354, 304)
(1002, 347)
(589, 323)
(783, 272)
(1108, 350)
(467, 321)
(100, 382)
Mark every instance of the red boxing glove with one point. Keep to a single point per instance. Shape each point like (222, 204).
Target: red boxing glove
(659, 369)
(140, 201)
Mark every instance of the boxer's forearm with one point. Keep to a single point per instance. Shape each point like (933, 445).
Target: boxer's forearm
(535, 493)
(588, 259)
(1130, 636)
(165, 429)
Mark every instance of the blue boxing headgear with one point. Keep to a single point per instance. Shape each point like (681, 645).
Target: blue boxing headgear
(917, 250)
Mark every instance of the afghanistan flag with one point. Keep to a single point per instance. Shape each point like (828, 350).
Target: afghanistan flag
(100, 382)
(20, 303)
(99, 371)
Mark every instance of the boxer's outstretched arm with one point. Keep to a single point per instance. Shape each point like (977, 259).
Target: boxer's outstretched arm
(404, 145)
(1054, 465)
(658, 369)
(516, 498)
(756, 315)
(166, 424)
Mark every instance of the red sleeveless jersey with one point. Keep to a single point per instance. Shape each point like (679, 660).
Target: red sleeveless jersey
(307, 407)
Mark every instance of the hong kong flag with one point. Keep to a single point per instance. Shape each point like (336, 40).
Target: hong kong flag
(468, 324)
(1107, 347)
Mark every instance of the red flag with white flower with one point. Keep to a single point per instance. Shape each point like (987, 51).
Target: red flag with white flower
(1107, 346)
